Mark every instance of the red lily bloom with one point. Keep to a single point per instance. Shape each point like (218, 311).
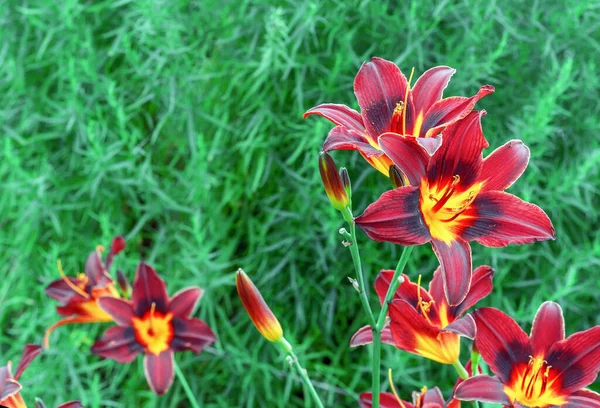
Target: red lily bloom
(540, 370)
(422, 322)
(388, 104)
(10, 396)
(78, 297)
(455, 196)
(432, 398)
(155, 325)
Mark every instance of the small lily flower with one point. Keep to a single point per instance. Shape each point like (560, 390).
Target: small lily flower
(540, 370)
(454, 197)
(153, 324)
(78, 297)
(10, 396)
(422, 322)
(431, 398)
(333, 183)
(258, 310)
(389, 105)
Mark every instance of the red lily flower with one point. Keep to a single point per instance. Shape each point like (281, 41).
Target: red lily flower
(155, 325)
(78, 297)
(432, 398)
(422, 322)
(455, 196)
(10, 396)
(388, 104)
(540, 370)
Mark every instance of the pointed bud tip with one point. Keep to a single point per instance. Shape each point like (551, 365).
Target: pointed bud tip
(118, 244)
(332, 181)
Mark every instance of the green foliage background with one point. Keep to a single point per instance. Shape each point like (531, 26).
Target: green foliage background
(178, 124)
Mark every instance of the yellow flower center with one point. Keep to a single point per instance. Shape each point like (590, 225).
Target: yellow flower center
(442, 206)
(532, 386)
(154, 330)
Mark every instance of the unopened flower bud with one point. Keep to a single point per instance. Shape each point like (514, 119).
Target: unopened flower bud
(117, 245)
(258, 310)
(396, 177)
(346, 182)
(333, 182)
(124, 284)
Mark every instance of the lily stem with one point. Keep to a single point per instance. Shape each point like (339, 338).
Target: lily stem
(186, 387)
(381, 322)
(462, 372)
(304, 375)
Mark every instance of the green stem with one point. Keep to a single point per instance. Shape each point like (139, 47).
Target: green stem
(358, 267)
(381, 322)
(186, 387)
(294, 361)
(462, 373)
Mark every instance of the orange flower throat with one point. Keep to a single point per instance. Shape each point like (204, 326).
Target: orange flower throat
(154, 330)
(532, 386)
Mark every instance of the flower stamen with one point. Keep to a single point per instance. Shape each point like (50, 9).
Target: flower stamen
(70, 284)
(421, 304)
(394, 388)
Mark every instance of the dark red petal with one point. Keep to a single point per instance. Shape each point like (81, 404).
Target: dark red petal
(429, 88)
(340, 115)
(341, 138)
(182, 304)
(159, 371)
(191, 334)
(548, 328)
(583, 399)
(94, 269)
(71, 404)
(118, 343)
(386, 400)
(60, 291)
(459, 155)
(576, 360)
(395, 217)
(148, 288)
(432, 397)
(379, 86)
(481, 286)
(501, 342)
(449, 110)
(504, 166)
(482, 388)
(117, 245)
(364, 336)
(455, 260)
(30, 352)
(407, 155)
(119, 309)
(465, 326)
(501, 219)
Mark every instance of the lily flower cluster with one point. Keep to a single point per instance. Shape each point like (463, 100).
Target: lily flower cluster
(447, 194)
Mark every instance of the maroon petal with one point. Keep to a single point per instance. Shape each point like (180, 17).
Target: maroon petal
(459, 155)
(395, 217)
(191, 334)
(148, 288)
(576, 360)
(548, 328)
(409, 156)
(30, 352)
(340, 115)
(182, 304)
(117, 245)
(481, 286)
(71, 404)
(429, 88)
(449, 111)
(484, 389)
(379, 86)
(504, 166)
(500, 219)
(455, 260)
(501, 342)
(341, 138)
(159, 371)
(386, 400)
(94, 268)
(432, 396)
(465, 326)
(364, 336)
(119, 309)
(118, 343)
(583, 398)
(60, 291)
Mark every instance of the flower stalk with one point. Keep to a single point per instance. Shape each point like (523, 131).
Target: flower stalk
(186, 387)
